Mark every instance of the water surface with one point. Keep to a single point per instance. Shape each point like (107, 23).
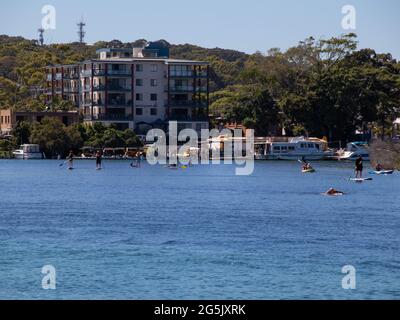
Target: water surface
(200, 233)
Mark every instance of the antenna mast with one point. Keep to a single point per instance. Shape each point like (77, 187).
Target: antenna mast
(81, 32)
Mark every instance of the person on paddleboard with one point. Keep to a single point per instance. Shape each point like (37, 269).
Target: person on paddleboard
(70, 160)
(359, 167)
(98, 160)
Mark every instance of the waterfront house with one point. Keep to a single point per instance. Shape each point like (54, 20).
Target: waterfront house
(10, 118)
(139, 88)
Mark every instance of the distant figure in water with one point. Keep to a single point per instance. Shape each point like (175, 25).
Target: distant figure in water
(359, 167)
(70, 159)
(378, 167)
(98, 160)
(332, 192)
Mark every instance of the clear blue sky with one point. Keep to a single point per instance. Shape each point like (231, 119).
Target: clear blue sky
(245, 25)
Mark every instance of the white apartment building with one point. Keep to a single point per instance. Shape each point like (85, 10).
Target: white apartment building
(140, 88)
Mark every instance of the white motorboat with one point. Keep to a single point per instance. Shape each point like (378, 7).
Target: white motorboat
(354, 150)
(299, 148)
(27, 152)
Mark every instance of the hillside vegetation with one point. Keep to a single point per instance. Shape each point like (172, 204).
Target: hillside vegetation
(321, 87)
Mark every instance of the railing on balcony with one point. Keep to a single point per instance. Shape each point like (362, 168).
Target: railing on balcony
(119, 72)
(118, 88)
(115, 103)
(187, 74)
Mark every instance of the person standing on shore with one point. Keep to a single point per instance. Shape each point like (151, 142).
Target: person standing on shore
(98, 160)
(359, 167)
(70, 160)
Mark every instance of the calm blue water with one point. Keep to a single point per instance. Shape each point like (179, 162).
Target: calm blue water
(201, 233)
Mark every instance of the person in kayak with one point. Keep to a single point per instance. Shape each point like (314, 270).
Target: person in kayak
(306, 165)
(70, 160)
(333, 192)
(359, 167)
(98, 159)
(378, 167)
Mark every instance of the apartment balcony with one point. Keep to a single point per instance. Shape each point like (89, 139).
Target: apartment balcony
(178, 89)
(99, 72)
(186, 103)
(71, 76)
(86, 73)
(119, 104)
(119, 88)
(99, 87)
(71, 90)
(58, 76)
(119, 73)
(108, 117)
(187, 74)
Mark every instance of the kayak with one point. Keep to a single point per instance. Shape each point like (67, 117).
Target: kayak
(308, 170)
(384, 172)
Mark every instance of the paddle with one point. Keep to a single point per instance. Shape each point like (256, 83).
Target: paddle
(61, 164)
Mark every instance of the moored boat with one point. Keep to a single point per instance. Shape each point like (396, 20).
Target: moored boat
(299, 148)
(28, 152)
(354, 150)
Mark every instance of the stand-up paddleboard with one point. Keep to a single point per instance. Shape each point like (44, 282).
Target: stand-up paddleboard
(308, 171)
(382, 172)
(360, 179)
(98, 168)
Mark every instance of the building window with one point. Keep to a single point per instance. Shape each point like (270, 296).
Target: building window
(139, 97)
(139, 82)
(153, 111)
(154, 68)
(139, 68)
(139, 111)
(153, 97)
(153, 82)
